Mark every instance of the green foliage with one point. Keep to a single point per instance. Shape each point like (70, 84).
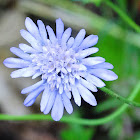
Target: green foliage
(107, 105)
(96, 2)
(136, 136)
(116, 129)
(122, 4)
(77, 132)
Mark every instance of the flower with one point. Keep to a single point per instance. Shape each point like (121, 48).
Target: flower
(63, 64)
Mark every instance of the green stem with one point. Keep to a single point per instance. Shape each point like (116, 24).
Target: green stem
(124, 100)
(124, 16)
(79, 121)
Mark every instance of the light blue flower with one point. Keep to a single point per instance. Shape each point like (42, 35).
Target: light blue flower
(64, 65)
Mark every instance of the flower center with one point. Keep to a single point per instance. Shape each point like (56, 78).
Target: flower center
(57, 65)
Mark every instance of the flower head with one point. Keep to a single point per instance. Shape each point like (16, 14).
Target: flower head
(64, 65)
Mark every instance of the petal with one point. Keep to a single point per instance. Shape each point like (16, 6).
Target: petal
(87, 95)
(88, 85)
(28, 37)
(30, 71)
(66, 35)
(27, 48)
(32, 87)
(42, 31)
(25, 72)
(45, 98)
(60, 89)
(79, 38)
(87, 52)
(104, 65)
(16, 63)
(18, 73)
(32, 28)
(72, 80)
(52, 36)
(104, 74)
(68, 94)
(67, 103)
(30, 102)
(89, 41)
(58, 108)
(20, 53)
(76, 95)
(59, 29)
(50, 102)
(70, 42)
(82, 67)
(92, 60)
(33, 95)
(94, 80)
(37, 74)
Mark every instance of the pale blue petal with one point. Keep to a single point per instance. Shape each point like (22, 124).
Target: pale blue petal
(59, 29)
(88, 85)
(104, 74)
(67, 103)
(70, 42)
(16, 63)
(33, 95)
(58, 108)
(45, 98)
(32, 28)
(52, 36)
(18, 52)
(92, 79)
(68, 94)
(61, 88)
(89, 41)
(104, 65)
(30, 102)
(50, 102)
(79, 38)
(92, 60)
(28, 37)
(25, 72)
(76, 95)
(27, 48)
(87, 95)
(66, 35)
(42, 31)
(30, 71)
(87, 52)
(20, 72)
(32, 87)
(37, 74)
(82, 67)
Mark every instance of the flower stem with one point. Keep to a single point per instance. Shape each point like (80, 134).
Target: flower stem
(79, 121)
(124, 100)
(123, 15)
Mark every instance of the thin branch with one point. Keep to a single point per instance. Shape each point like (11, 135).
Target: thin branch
(117, 96)
(123, 15)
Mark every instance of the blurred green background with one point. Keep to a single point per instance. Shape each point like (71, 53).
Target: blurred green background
(119, 44)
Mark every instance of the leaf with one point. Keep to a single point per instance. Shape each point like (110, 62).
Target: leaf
(77, 132)
(107, 104)
(96, 2)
